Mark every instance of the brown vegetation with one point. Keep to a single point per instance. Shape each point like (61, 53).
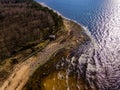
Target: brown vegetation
(24, 23)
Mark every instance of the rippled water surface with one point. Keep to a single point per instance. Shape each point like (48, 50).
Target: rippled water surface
(102, 18)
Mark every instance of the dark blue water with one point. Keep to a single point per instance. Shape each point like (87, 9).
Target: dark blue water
(82, 11)
(102, 18)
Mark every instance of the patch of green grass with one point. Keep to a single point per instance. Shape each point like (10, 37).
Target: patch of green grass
(42, 44)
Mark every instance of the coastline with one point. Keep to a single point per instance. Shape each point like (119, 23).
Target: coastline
(84, 28)
(28, 67)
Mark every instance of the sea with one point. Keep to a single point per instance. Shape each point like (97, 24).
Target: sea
(101, 18)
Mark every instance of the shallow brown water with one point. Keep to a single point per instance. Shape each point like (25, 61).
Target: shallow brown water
(57, 74)
(59, 80)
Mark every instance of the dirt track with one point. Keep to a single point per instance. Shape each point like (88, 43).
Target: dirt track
(23, 71)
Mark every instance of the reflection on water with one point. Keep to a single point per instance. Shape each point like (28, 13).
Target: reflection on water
(107, 56)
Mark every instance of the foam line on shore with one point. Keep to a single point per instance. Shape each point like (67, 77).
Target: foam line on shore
(84, 28)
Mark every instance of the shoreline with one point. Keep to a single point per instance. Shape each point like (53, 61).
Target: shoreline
(28, 67)
(24, 71)
(84, 28)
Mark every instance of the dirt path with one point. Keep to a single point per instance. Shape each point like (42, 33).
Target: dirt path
(23, 71)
